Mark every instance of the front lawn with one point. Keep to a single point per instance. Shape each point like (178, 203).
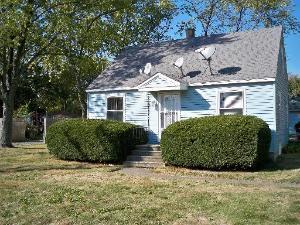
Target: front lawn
(36, 188)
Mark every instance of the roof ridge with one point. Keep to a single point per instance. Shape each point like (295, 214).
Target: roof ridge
(201, 37)
(240, 56)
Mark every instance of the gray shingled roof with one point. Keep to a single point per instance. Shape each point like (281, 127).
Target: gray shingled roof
(239, 56)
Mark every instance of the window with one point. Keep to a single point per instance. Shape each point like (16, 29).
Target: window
(231, 102)
(115, 108)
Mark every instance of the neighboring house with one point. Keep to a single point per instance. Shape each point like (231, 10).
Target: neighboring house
(294, 114)
(249, 77)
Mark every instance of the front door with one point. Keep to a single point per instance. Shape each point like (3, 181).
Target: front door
(169, 111)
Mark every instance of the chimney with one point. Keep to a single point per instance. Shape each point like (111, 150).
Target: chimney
(190, 33)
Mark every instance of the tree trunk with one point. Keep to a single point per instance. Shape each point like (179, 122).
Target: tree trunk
(7, 123)
(82, 106)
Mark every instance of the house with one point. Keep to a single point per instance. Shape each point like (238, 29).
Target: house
(294, 114)
(248, 76)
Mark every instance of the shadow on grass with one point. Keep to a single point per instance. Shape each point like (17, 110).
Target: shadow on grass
(25, 168)
(283, 162)
(30, 148)
(36, 153)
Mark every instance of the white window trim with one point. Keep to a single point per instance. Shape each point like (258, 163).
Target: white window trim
(225, 90)
(115, 96)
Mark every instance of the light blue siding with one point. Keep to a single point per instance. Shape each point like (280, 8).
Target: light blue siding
(136, 108)
(259, 101)
(142, 108)
(197, 102)
(96, 106)
(202, 101)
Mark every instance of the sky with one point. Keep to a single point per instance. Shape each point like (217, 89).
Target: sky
(292, 41)
(292, 45)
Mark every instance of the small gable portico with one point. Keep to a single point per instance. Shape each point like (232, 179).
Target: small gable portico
(160, 82)
(164, 107)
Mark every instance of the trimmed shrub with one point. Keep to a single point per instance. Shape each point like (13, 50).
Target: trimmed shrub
(292, 147)
(90, 140)
(217, 142)
(33, 132)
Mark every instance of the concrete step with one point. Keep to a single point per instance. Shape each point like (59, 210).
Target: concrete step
(148, 147)
(143, 164)
(146, 153)
(144, 158)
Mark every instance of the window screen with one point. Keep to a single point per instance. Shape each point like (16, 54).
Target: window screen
(115, 108)
(231, 103)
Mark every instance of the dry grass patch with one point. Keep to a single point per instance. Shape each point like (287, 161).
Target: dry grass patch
(39, 189)
(286, 170)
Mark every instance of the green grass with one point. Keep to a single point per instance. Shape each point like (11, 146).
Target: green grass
(36, 188)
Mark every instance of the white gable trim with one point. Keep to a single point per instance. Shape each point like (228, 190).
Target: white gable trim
(170, 84)
(191, 84)
(158, 75)
(111, 89)
(233, 82)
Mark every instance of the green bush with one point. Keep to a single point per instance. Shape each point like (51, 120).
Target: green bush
(292, 147)
(90, 140)
(33, 133)
(217, 142)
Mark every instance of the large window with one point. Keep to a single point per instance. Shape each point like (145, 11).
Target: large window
(231, 102)
(115, 108)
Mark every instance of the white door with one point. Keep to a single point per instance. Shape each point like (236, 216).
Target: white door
(169, 111)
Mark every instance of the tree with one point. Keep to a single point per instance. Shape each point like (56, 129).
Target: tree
(251, 14)
(84, 45)
(25, 33)
(203, 11)
(32, 32)
(216, 16)
(294, 86)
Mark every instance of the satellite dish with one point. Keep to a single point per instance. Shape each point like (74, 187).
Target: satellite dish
(199, 50)
(179, 62)
(207, 52)
(147, 69)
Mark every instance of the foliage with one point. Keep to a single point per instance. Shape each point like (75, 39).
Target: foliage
(81, 55)
(33, 132)
(22, 111)
(294, 86)
(292, 147)
(90, 140)
(68, 42)
(217, 16)
(217, 142)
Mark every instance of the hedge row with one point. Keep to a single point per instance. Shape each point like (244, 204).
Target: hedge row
(91, 140)
(217, 142)
(292, 147)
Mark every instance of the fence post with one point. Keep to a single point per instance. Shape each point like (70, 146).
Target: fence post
(45, 129)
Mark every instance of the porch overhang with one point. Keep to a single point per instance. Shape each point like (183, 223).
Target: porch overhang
(160, 82)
